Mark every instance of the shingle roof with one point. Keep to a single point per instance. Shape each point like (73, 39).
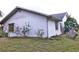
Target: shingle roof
(59, 16)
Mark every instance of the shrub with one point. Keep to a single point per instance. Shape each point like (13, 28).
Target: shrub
(40, 33)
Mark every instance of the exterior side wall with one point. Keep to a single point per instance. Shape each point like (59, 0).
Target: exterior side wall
(51, 29)
(35, 21)
(63, 20)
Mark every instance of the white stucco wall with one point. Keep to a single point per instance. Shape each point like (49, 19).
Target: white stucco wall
(36, 22)
(51, 29)
(63, 20)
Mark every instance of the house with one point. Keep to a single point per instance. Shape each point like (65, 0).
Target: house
(26, 22)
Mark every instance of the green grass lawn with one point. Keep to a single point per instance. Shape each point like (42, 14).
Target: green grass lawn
(37, 44)
(58, 44)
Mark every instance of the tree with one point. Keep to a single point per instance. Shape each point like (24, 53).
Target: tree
(1, 13)
(18, 30)
(40, 32)
(70, 23)
(26, 29)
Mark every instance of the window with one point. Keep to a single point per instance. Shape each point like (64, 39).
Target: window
(56, 25)
(11, 27)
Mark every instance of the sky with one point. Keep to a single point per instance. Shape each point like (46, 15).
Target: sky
(43, 6)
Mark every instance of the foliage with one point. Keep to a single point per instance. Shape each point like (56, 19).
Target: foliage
(25, 29)
(2, 33)
(18, 30)
(1, 13)
(40, 33)
(70, 23)
(22, 30)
